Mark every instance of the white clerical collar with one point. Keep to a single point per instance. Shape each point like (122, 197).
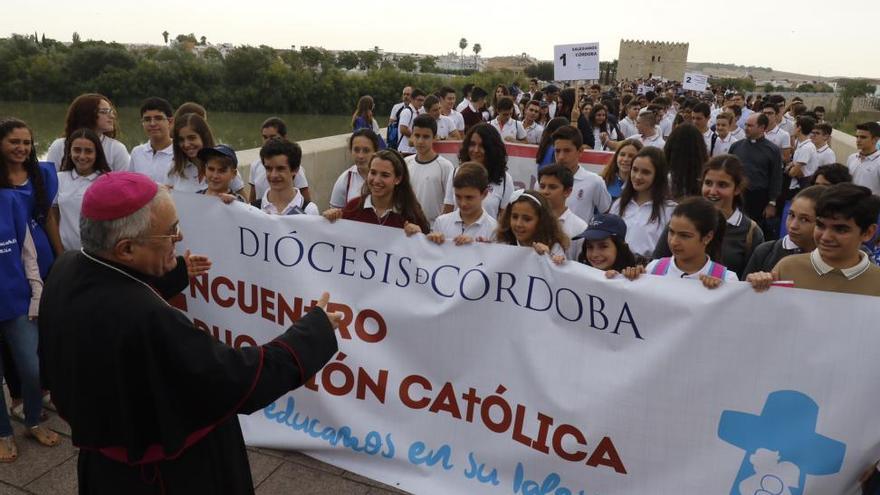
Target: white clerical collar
(850, 273)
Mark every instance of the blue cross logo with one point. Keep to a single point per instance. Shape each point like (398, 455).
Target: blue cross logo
(781, 445)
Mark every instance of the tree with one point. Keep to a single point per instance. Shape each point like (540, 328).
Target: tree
(368, 60)
(314, 56)
(462, 43)
(347, 60)
(428, 64)
(165, 36)
(541, 70)
(76, 39)
(406, 63)
(806, 88)
(203, 41)
(768, 88)
(477, 49)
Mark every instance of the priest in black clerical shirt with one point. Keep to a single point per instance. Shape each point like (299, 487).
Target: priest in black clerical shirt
(151, 400)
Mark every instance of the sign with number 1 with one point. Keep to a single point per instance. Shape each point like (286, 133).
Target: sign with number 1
(576, 62)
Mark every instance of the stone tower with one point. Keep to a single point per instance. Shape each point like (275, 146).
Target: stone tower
(659, 59)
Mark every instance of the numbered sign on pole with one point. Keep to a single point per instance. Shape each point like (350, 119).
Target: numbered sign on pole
(695, 82)
(576, 62)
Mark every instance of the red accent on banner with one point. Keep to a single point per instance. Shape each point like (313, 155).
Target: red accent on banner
(518, 150)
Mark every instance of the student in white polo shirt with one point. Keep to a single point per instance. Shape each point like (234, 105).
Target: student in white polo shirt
(736, 131)
(649, 135)
(469, 222)
(864, 165)
(445, 125)
(556, 183)
(92, 111)
(805, 160)
(273, 128)
(776, 134)
(466, 97)
(531, 114)
(362, 144)
(628, 126)
(447, 109)
(191, 133)
(820, 136)
(154, 158)
(700, 119)
(429, 173)
(723, 123)
(589, 194)
(482, 144)
(407, 115)
(281, 159)
(510, 129)
(83, 162)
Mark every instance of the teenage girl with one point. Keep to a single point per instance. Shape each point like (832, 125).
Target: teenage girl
(605, 247)
(83, 162)
(723, 183)
(616, 173)
(388, 198)
(529, 222)
(644, 203)
(362, 144)
(482, 144)
(190, 134)
(96, 112)
(695, 234)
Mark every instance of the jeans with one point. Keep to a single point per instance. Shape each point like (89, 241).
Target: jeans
(21, 336)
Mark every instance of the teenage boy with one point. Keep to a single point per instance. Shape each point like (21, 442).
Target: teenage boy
(776, 134)
(628, 126)
(763, 165)
(469, 222)
(221, 167)
(864, 165)
(649, 134)
(664, 117)
(556, 183)
(404, 101)
(700, 119)
(738, 132)
(805, 160)
(534, 130)
(406, 118)
(473, 112)
(820, 136)
(846, 217)
(429, 173)
(510, 129)
(723, 122)
(445, 126)
(588, 194)
(281, 159)
(154, 158)
(447, 109)
(551, 94)
(739, 100)
(272, 128)
(467, 94)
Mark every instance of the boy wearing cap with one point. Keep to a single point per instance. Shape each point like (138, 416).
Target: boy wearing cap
(221, 167)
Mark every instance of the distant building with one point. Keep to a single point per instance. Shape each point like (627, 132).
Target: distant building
(657, 59)
(516, 64)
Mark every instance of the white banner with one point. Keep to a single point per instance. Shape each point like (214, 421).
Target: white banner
(694, 81)
(487, 369)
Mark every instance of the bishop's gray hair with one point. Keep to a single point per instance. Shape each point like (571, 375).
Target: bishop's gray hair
(101, 236)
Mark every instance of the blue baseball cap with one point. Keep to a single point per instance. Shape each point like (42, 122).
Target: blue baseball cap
(602, 227)
(219, 150)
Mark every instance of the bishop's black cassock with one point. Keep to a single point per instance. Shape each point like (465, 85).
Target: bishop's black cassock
(151, 400)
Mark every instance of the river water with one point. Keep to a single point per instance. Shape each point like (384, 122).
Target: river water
(237, 129)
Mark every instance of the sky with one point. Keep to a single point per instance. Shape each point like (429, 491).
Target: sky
(808, 36)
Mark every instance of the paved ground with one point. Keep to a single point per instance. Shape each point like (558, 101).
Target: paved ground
(43, 470)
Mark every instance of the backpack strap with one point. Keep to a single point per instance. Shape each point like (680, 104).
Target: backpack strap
(662, 266)
(750, 236)
(712, 148)
(717, 270)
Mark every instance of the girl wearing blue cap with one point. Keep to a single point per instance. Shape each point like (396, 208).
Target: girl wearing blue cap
(605, 247)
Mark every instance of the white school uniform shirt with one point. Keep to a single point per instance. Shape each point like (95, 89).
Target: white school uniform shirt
(260, 182)
(511, 129)
(497, 195)
(779, 137)
(788, 124)
(297, 202)
(451, 226)
(713, 115)
(397, 106)
(445, 125)
(666, 125)
(457, 119)
(628, 127)
(190, 181)
(464, 104)
(347, 187)
(722, 145)
(589, 195)
(572, 225)
(71, 188)
(675, 271)
(155, 164)
(534, 133)
(805, 153)
(737, 134)
(642, 234)
(865, 170)
(429, 182)
(707, 138)
(826, 155)
(115, 152)
(656, 140)
(551, 109)
(407, 116)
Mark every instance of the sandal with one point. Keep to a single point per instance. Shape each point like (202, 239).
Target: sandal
(43, 435)
(8, 449)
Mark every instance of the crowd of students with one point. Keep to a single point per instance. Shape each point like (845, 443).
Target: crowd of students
(710, 186)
